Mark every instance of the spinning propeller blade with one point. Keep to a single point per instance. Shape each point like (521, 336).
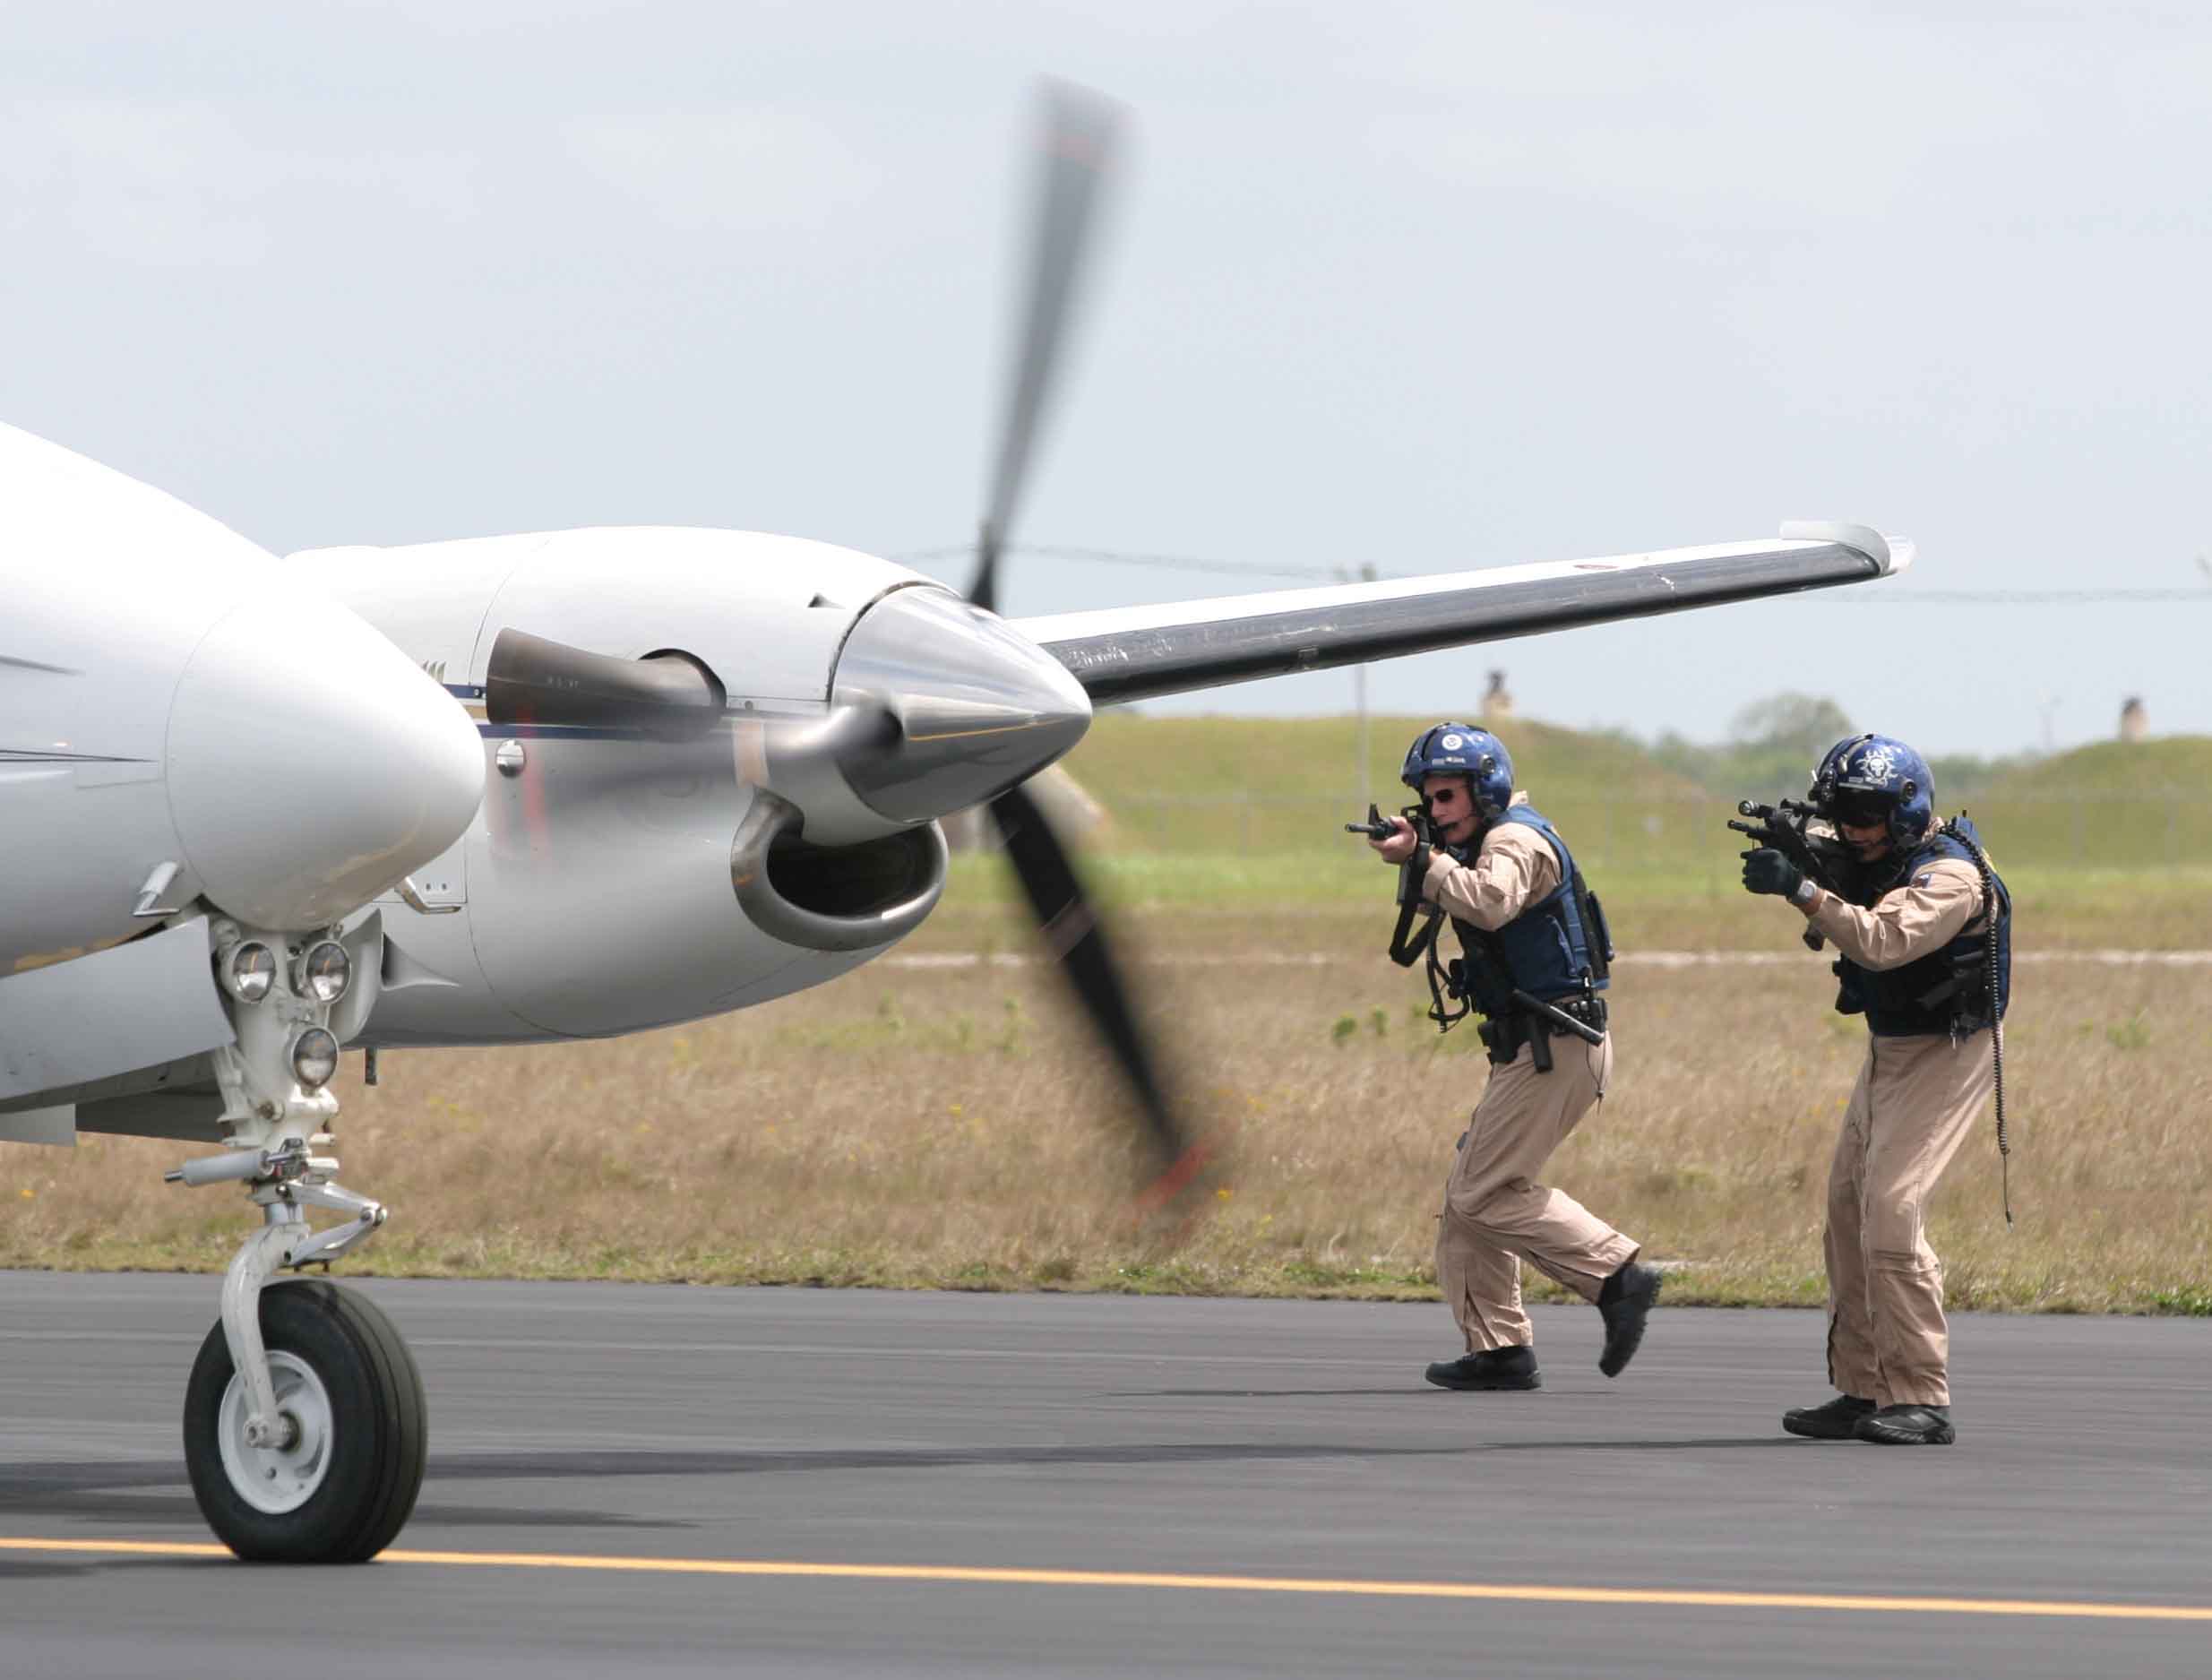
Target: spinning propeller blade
(1077, 939)
(924, 701)
(1080, 135)
(1080, 138)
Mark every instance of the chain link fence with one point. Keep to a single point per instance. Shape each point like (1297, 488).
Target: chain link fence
(1676, 835)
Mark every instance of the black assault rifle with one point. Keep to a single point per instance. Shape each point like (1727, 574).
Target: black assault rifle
(1405, 950)
(1786, 826)
(1377, 826)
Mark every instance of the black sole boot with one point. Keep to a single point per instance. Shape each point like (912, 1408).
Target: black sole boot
(1496, 1368)
(1908, 1427)
(1838, 1420)
(1624, 1303)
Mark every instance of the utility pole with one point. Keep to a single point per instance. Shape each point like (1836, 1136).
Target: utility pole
(1359, 705)
(2048, 708)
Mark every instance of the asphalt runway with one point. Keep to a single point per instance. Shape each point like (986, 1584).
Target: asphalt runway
(642, 1480)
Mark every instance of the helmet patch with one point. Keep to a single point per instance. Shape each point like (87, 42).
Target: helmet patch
(1877, 766)
(1452, 743)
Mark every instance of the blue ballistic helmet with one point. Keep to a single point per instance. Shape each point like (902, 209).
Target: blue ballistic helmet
(1872, 778)
(1460, 749)
(1823, 789)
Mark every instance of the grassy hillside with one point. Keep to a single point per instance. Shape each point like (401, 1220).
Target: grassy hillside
(2175, 765)
(1260, 788)
(2146, 805)
(1276, 786)
(1127, 756)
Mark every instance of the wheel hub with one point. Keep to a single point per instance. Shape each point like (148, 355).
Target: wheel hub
(284, 1474)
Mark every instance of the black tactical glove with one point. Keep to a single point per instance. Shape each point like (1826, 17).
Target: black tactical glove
(1765, 870)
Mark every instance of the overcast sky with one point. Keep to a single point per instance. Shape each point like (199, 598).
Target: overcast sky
(1425, 287)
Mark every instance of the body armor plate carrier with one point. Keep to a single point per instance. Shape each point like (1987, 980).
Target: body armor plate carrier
(1557, 951)
(1957, 990)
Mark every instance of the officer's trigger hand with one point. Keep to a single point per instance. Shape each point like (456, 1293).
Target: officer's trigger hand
(1765, 870)
(1399, 846)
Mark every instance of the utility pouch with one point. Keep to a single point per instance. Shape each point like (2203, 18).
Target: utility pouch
(1594, 932)
(1967, 991)
(1849, 999)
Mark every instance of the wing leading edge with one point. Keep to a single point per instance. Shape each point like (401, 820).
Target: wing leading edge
(1140, 652)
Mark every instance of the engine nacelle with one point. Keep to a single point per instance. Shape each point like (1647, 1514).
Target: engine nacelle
(641, 860)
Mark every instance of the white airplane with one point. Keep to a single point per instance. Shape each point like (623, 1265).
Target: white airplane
(553, 786)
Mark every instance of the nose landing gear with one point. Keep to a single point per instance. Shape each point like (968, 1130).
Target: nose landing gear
(303, 1417)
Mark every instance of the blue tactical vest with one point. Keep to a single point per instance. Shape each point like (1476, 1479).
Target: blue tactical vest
(1545, 951)
(1947, 991)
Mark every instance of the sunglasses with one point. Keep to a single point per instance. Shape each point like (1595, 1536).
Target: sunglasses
(1862, 813)
(1443, 796)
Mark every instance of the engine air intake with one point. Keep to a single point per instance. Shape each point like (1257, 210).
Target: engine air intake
(833, 897)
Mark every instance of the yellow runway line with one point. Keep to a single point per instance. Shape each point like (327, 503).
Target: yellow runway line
(1677, 1598)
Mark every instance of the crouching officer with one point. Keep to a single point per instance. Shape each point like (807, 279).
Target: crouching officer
(1535, 959)
(1925, 938)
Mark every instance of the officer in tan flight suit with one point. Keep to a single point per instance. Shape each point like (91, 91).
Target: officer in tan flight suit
(1532, 937)
(1918, 958)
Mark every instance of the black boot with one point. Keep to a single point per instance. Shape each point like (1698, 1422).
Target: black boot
(1838, 1420)
(1908, 1427)
(1625, 1302)
(1497, 1367)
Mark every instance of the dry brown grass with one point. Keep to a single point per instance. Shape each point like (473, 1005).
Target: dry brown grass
(951, 1128)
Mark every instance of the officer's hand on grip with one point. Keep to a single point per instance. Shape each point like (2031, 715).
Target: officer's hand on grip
(1399, 845)
(1765, 870)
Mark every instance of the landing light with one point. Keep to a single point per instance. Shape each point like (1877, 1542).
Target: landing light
(323, 975)
(250, 971)
(315, 1058)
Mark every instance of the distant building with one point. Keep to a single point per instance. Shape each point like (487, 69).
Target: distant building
(1496, 702)
(2134, 721)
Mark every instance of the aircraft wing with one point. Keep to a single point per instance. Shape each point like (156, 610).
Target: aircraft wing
(1127, 653)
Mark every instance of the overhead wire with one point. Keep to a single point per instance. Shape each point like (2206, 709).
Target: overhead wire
(1891, 598)
(1174, 562)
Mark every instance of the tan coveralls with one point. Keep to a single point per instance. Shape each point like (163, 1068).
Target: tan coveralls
(1916, 1096)
(1496, 1214)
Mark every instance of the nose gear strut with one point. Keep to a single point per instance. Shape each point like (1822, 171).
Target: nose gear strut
(284, 1183)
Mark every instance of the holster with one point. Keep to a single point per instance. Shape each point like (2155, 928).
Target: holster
(1503, 1036)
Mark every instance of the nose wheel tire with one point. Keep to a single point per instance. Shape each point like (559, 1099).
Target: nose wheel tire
(340, 1484)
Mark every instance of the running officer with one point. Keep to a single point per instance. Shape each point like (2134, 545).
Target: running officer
(1534, 962)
